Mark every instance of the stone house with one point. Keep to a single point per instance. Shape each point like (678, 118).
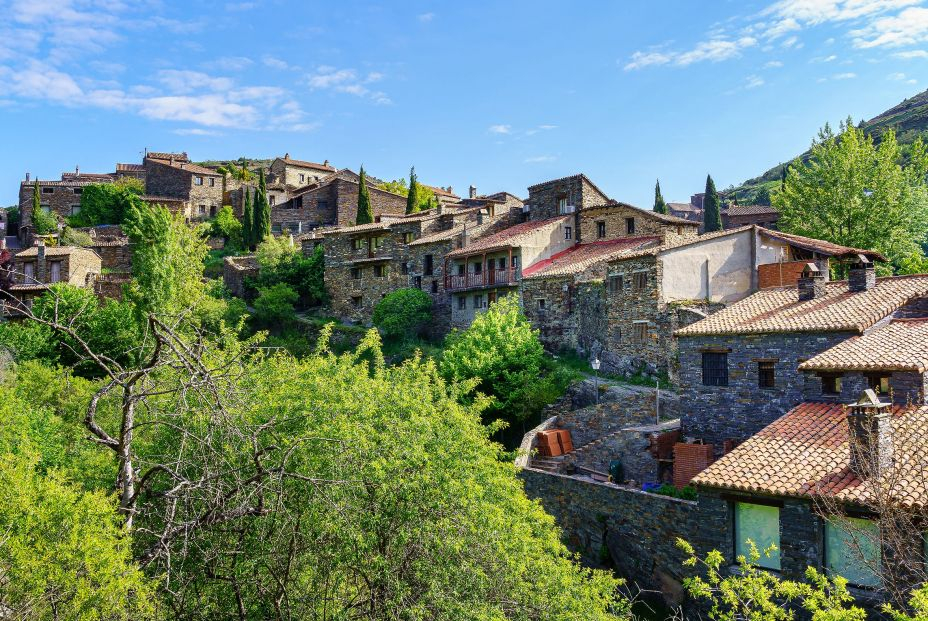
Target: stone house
(740, 367)
(294, 174)
(37, 267)
(62, 198)
(567, 195)
(134, 171)
(172, 179)
(734, 216)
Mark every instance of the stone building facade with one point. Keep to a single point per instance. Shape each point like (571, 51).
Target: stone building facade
(173, 176)
(562, 196)
(616, 220)
(298, 173)
(34, 268)
(62, 198)
(334, 201)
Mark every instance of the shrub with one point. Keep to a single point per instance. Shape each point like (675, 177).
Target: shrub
(74, 237)
(274, 305)
(403, 313)
(105, 203)
(228, 227)
(44, 222)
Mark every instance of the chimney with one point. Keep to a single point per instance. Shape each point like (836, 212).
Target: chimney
(287, 156)
(450, 191)
(77, 171)
(472, 192)
(870, 435)
(325, 163)
(862, 275)
(811, 283)
(40, 259)
(172, 159)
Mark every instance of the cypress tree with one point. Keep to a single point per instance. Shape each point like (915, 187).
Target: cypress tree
(248, 219)
(365, 213)
(412, 199)
(36, 200)
(262, 211)
(783, 172)
(659, 205)
(711, 212)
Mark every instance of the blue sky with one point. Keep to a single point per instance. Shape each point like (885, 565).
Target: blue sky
(501, 95)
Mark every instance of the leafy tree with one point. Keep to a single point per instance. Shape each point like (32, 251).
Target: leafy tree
(712, 211)
(365, 213)
(73, 237)
(262, 211)
(274, 305)
(106, 203)
(762, 196)
(248, 219)
(237, 170)
(42, 223)
(500, 352)
(659, 205)
(403, 312)
(425, 196)
(228, 227)
(397, 186)
(412, 197)
(28, 340)
(855, 193)
(280, 261)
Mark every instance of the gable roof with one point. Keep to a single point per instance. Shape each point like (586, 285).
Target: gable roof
(177, 157)
(807, 453)
(99, 177)
(750, 210)
(510, 237)
(130, 168)
(304, 164)
(779, 309)
(901, 345)
(647, 213)
(55, 251)
(820, 245)
(186, 166)
(582, 256)
(579, 176)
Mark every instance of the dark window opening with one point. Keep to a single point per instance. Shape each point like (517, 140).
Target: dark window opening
(639, 280)
(48, 190)
(461, 268)
(356, 301)
(640, 332)
(715, 368)
(427, 265)
(568, 232)
(615, 284)
(462, 302)
(879, 384)
(404, 268)
(831, 384)
(417, 282)
(356, 273)
(766, 374)
(434, 286)
(600, 229)
(630, 226)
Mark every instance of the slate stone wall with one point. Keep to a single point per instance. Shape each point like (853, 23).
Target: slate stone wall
(579, 192)
(60, 201)
(615, 217)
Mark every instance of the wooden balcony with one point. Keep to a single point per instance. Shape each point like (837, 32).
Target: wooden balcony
(487, 278)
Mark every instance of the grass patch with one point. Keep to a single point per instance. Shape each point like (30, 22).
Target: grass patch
(686, 493)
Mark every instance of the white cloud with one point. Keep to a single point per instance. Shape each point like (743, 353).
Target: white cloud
(232, 63)
(844, 76)
(240, 6)
(500, 129)
(539, 159)
(897, 77)
(824, 59)
(909, 27)
(781, 27)
(773, 64)
(814, 12)
(647, 59)
(425, 17)
(347, 81)
(754, 81)
(713, 50)
(185, 81)
(275, 63)
(196, 131)
(791, 42)
(911, 54)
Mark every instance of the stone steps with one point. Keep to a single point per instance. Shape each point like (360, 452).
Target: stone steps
(549, 464)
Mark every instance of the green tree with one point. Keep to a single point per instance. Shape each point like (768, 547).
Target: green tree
(228, 227)
(659, 205)
(274, 305)
(280, 261)
(402, 313)
(237, 170)
(412, 197)
(28, 340)
(712, 210)
(500, 352)
(365, 213)
(424, 195)
(762, 196)
(43, 222)
(248, 219)
(106, 203)
(262, 211)
(855, 193)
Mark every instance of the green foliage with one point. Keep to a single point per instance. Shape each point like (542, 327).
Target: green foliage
(365, 213)
(262, 211)
(237, 170)
(762, 196)
(918, 606)
(659, 205)
(12, 216)
(425, 196)
(227, 226)
(712, 209)
(74, 237)
(282, 262)
(274, 305)
(402, 313)
(28, 340)
(756, 594)
(43, 222)
(501, 353)
(412, 197)
(857, 194)
(688, 492)
(106, 203)
(248, 219)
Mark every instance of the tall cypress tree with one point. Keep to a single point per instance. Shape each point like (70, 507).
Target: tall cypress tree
(412, 199)
(711, 212)
(262, 215)
(365, 213)
(36, 200)
(659, 205)
(248, 219)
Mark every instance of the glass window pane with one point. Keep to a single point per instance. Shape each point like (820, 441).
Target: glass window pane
(852, 550)
(760, 524)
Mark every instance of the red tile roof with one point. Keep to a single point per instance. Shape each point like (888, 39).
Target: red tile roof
(806, 453)
(582, 256)
(510, 237)
(821, 246)
(130, 168)
(750, 210)
(901, 345)
(177, 157)
(97, 177)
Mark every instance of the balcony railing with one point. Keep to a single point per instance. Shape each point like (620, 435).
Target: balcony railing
(487, 278)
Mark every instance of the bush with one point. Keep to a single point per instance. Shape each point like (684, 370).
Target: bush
(74, 237)
(274, 305)
(28, 340)
(44, 222)
(228, 227)
(403, 313)
(281, 262)
(106, 203)
(688, 492)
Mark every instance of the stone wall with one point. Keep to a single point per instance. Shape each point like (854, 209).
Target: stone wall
(557, 319)
(234, 272)
(168, 181)
(615, 220)
(578, 191)
(631, 446)
(61, 198)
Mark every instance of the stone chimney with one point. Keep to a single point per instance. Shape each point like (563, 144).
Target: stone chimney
(862, 275)
(472, 192)
(870, 435)
(77, 171)
(172, 159)
(325, 163)
(27, 177)
(39, 259)
(811, 283)
(287, 156)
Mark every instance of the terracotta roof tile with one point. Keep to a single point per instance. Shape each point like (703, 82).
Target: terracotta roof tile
(750, 210)
(186, 166)
(901, 345)
(438, 236)
(837, 310)
(806, 453)
(582, 256)
(511, 236)
(130, 168)
(819, 245)
(360, 228)
(178, 157)
(95, 177)
(64, 183)
(54, 251)
(305, 164)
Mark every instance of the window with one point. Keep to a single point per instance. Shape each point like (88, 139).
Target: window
(198, 181)
(302, 177)
(568, 232)
(615, 283)
(501, 263)
(600, 229)
(879, 384)
(380, 271)
(640, 331)
(479, 301)
(271, 200)
(562, 205)
(461, 269)
(376, 242)
(714, 368)
(47, 190)
(478, 268)
(78, 190)
(852, 550)
(357, 244)
(201, 209)
(356, 273)
(831, 384)
(408, 237)
(541, 304)
(760, 524)
(427, 265)
(356, 301)
(639, 280)
(404, 268)
(75, 209)
(417, 282)
(45, 208)
(212, 211)
(515, 262)
(212, 182)
(434, 286)
(29, 271)
(462, 302)
(55, 271)
(322, 205)
(630, 226)
(766, 374)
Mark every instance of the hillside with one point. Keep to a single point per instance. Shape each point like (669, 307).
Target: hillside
(909, 119)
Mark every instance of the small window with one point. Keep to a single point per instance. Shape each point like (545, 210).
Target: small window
(201, 209)
(541, 304)
(879, 384)
(198, 181)
(45, 208)
(852, 550)
(434, 286)
(462, 302)
(515, 262)
(640, 331)
(478, 268)
(29, 271)
(630, 226)
(461, 269)
(55, 271)
(615, 283)
(380, 271)
(568, 232)
(831, 384)
(501, 263)
(48, 190)
(639, 280)
(357, 244)
(766, 374)
(479, 301)
(212, 182)
(760, 524)
(376, 242)
(408, 237)
(417, 282)
(322, 205)
(714, 368)
(404, 268)
(356, 273)
(356, 301)
(427, 265)
(302, 177)
(75, 209)
(78, 190)
(600, 229)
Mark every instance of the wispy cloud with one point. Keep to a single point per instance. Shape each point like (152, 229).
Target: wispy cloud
(500, 129)
(909, 55)
(539, 159)
(773, 64)
(753, 81)
(425, 17)
(196, 131)
(713, 50)
(347, 81)
(909, 27)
